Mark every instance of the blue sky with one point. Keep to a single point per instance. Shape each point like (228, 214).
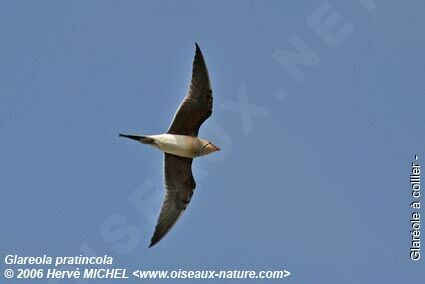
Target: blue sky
(313, 178)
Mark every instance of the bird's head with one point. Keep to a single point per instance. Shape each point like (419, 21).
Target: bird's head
(208, 148)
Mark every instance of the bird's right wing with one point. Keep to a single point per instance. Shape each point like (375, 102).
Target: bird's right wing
(179, 187)
(197, 105)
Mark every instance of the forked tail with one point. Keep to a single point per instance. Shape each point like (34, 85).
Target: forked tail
(141, 139)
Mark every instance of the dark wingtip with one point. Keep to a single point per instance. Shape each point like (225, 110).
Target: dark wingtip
(120, 135)
(197, 47)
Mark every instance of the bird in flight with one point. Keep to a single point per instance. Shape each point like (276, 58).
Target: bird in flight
(180, 145)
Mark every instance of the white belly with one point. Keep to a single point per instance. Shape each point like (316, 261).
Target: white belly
(180, 145)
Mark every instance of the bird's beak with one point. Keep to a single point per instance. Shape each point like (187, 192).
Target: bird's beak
(134, 137)
(216, 148)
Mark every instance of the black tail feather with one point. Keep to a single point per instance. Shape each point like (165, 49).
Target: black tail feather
(141, 139)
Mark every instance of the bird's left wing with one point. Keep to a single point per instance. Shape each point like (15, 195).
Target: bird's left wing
(197, 105)
(179, 187)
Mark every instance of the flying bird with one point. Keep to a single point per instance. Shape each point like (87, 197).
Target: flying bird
(180, 145)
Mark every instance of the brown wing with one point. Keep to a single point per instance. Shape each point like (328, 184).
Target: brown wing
(197, 106)
(179, 186)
